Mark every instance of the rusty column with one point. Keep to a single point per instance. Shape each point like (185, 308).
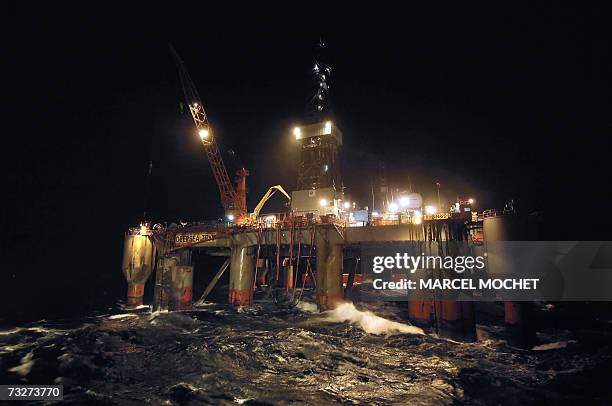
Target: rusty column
(181, 287)
(421, 309)
(174, 282)
(289, 277)
(242, 270)
(163, 276)
(456, 319)
(329, 271)
(262, 271)
(520, 326)
(421, 312)
(181, 282)
(138, 260)
(135, 294)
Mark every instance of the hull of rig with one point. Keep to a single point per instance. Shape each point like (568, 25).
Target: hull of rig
(325, 256)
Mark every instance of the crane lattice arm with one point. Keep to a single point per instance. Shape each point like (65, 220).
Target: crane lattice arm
(233, 201)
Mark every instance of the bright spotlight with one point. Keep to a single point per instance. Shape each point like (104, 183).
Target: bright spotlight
(404, 201)
(203, 133)
(297, 131)
(328, 127)
(323, 202)
(418, 217)
(471, 201)
(230, 217)
(347, 205)
(393, 207)
(431, 210)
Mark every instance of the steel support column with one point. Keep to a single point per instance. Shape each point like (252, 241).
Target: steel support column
(520, 326)
(138, 260)
(456, 319)
(329, 271)
(420, 312)
(242, 272)
(181, 287)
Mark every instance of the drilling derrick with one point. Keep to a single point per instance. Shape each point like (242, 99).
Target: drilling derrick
(319, 166)
(319, 182)
(233, 198)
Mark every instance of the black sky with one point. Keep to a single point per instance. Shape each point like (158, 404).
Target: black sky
(496, 103)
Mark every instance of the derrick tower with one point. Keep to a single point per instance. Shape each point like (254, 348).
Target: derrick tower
(319, 184)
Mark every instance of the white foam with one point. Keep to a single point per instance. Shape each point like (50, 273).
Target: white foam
(307, 307)
(35, 329)
(552, 346)
(26, 365)
(242, 401)
(5, 349)
(158, 312)
(11, 331)
(154, 315)
(199, 303)
(368, 321)
(122, 316)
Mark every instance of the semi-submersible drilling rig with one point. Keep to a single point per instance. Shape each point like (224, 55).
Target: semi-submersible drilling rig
(322, 243)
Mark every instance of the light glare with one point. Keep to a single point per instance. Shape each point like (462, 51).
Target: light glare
(431, 210)
(297, 131)
(328, 127)
(203, 133)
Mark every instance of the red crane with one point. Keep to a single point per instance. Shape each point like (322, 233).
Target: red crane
(233, 198)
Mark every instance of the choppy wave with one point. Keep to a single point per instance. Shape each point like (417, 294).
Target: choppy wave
(266, 354)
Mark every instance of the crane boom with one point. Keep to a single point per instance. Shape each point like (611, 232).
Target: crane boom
(267, 196)
(232, 199)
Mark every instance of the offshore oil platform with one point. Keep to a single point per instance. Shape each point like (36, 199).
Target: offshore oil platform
(322, 243)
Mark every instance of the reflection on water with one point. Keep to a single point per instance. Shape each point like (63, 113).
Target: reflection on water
(270, 355)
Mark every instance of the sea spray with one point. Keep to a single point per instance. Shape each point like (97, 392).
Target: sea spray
(307, 307)
(368, 321)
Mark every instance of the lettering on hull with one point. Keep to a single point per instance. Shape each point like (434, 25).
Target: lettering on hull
(193, 238)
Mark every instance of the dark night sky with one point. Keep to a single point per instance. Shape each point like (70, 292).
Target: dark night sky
(494, 103)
